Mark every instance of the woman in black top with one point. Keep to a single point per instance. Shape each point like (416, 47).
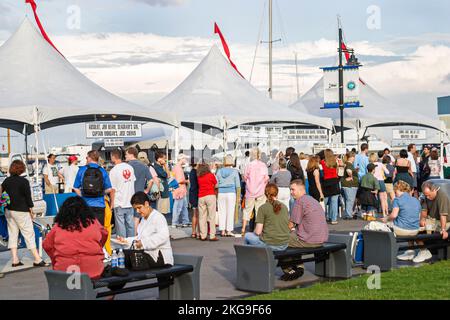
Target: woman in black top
(193, 199)
(19, 213)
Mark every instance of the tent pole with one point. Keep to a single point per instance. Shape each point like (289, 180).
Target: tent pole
(26, 144)
(442, 154)
(225, 138)
(177, 141)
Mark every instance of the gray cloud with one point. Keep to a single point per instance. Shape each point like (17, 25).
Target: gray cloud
(162, 3)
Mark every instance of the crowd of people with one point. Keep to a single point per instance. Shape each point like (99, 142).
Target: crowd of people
(285, 201)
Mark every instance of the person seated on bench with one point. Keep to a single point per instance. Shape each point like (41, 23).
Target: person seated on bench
(272, 223)
(308, 225)
(405, 219)
(367, 193)
(437, 206)
(152, 233)
(76, 239)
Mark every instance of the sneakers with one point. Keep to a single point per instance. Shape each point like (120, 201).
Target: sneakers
(422, 256)
(334, 223)
(408, 255)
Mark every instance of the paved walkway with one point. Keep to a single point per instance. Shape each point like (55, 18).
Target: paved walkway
(218, 270)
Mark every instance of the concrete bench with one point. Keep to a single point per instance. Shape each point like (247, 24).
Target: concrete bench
(179, 282)
(256, 265)
(381, 248)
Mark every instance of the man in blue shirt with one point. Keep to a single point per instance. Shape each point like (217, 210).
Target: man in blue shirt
(362, 161)
(97, 204)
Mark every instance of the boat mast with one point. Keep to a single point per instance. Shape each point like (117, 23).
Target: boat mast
(270, 47)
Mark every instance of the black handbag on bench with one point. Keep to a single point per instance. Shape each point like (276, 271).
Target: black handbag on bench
(138, 260)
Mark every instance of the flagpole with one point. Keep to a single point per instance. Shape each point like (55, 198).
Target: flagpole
(341, 81)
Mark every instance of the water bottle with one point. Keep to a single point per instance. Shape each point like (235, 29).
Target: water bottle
(114, 259)
(121, 259)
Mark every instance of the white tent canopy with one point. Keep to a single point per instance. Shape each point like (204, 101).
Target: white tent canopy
(376, 111)
(162, 135)
(34, 75)
(214, 95)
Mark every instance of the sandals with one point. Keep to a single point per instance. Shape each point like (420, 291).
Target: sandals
(15, 265)
(194, 236)
(41, 264)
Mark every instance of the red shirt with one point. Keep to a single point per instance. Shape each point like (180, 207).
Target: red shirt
(82, 249)
(328, 173)
(207, 185)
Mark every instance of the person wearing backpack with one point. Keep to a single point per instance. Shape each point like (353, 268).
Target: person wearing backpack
(92, 183)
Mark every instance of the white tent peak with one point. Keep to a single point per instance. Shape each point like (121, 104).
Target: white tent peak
(215, 92)
(33, 74)
(376, 111)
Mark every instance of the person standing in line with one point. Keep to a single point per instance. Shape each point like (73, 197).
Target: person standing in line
(424, 168)
(229, 186)
(142, 174)
(435, 165)
(380, 175)
(389, 181)
(362, 160)
(92, 183)
(19, 214)
(313, 173)
(256, 177)
(272, 165)
(69, 173)
(412, 149)
(207, 200)
(244, 163)
(304, 159)
(387, 152)
(330, 186)
(287, 156)
(350, 184)
(193, 198)
(51, 175)
(122, 180)
(180, 204)
(154, 183)
(163, 173)
(282, 179)
(403, 169)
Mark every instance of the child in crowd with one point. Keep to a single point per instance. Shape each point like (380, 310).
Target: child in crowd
(367, 194)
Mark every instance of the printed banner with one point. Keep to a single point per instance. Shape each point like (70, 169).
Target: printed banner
(409, 134)
(351, 87)
(113, 130)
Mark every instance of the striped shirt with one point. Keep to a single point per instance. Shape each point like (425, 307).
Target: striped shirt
(309, 217)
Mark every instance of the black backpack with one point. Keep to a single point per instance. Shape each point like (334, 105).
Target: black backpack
(92, 186)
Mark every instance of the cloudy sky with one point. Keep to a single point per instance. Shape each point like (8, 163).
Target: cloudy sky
(142, 49)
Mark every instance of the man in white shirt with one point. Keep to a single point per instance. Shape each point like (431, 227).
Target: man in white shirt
(412, 159)
(69, 173)
(51, 175)
(122, 180)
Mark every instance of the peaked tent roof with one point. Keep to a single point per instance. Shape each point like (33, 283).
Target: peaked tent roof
(214, 92)
(377, 111)
(33, 74)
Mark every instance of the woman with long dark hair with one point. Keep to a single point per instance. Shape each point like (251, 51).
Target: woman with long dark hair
(76, 239)
(295, 168)
(313, 172)
(272, 223)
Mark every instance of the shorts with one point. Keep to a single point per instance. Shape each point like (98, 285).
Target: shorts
(382, 186)
(399, 232)
(250, 204)
(389, 187)
(163, 205)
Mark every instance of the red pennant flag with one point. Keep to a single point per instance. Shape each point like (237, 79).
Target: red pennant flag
(38, 21)
(225, 47)
(347, 54)
(347, 57)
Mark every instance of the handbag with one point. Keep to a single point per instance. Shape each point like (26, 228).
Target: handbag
(138, 260)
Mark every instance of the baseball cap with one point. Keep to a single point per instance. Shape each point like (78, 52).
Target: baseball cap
(72, 158)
